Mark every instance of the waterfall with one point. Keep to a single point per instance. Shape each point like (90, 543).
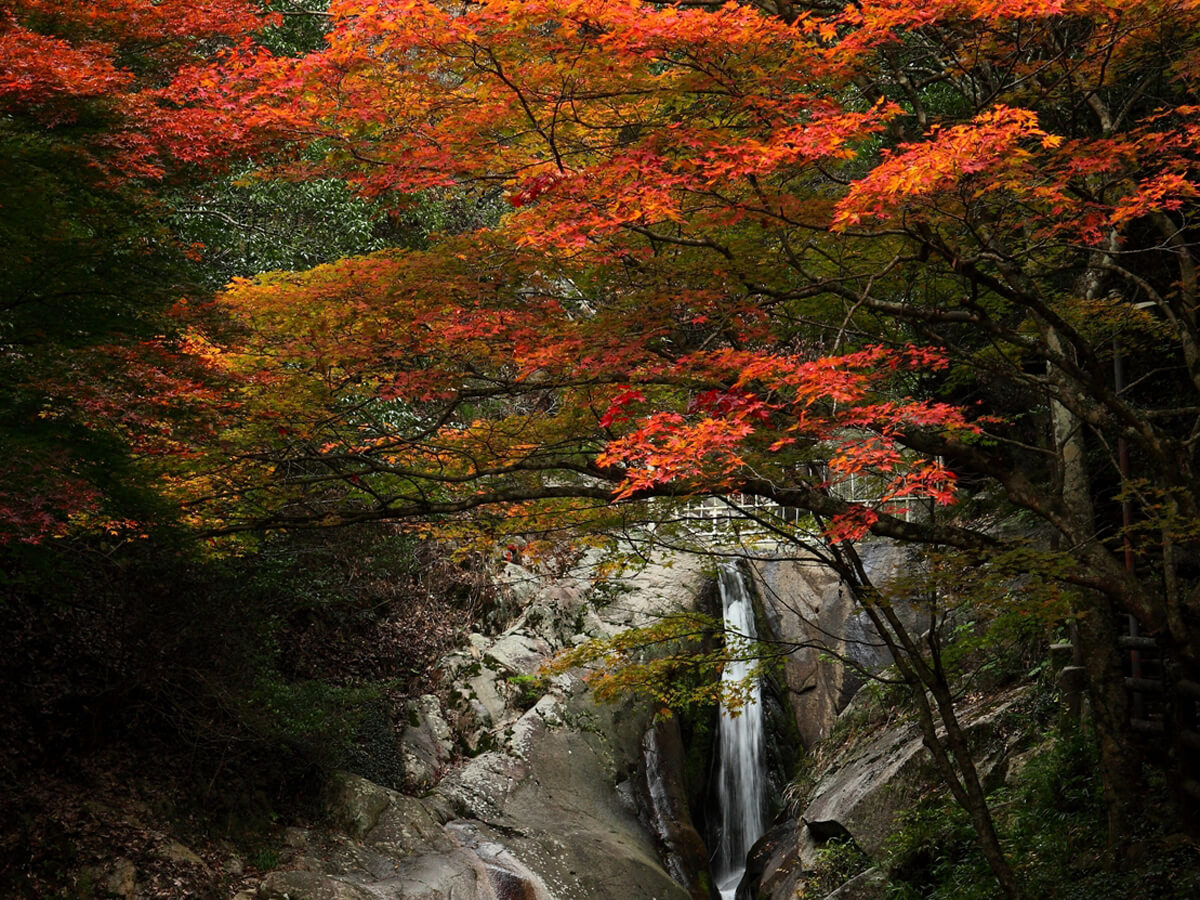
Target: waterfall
(741, 787)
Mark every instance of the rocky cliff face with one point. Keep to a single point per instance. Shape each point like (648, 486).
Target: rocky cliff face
(805, 605)
(548, 804)
(518, 789)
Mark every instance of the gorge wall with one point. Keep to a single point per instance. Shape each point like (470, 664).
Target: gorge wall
(514, 789)
(831, 639)
(513, 796)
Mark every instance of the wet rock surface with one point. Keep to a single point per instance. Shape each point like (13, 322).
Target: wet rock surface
(665, 810)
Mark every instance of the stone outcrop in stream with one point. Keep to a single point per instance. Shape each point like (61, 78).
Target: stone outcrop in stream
(548, 807)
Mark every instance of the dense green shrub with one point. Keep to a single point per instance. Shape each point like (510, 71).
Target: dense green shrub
(837, 862)
(1051, 820)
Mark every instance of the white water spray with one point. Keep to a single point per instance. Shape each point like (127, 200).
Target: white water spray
(741, 788)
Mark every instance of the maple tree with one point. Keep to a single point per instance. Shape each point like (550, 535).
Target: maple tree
(668, 152)
(96, 128)
(732, 231)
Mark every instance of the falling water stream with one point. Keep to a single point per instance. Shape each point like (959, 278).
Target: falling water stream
(741, 787)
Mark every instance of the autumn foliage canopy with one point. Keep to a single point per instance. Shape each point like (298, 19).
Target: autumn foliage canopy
(626, 254)
(755, 248)
(97, 125)
(738, 241)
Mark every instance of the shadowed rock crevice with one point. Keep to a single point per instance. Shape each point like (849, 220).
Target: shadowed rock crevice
(665, 807)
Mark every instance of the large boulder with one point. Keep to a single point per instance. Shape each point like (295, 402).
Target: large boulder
(861, 797)
(866, 787)
(665, 808)
(426, 743)
(773, 869)
(549, 797)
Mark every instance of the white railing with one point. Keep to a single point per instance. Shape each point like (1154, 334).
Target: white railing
(737, 518)
(752, 519)
(867, 489)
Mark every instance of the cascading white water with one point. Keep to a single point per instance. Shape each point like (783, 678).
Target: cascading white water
(741, 787)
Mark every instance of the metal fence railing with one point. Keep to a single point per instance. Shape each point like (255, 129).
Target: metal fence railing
(742, 516)
(750, 519)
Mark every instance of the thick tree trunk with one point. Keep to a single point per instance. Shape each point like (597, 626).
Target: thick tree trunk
(1096, 620)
